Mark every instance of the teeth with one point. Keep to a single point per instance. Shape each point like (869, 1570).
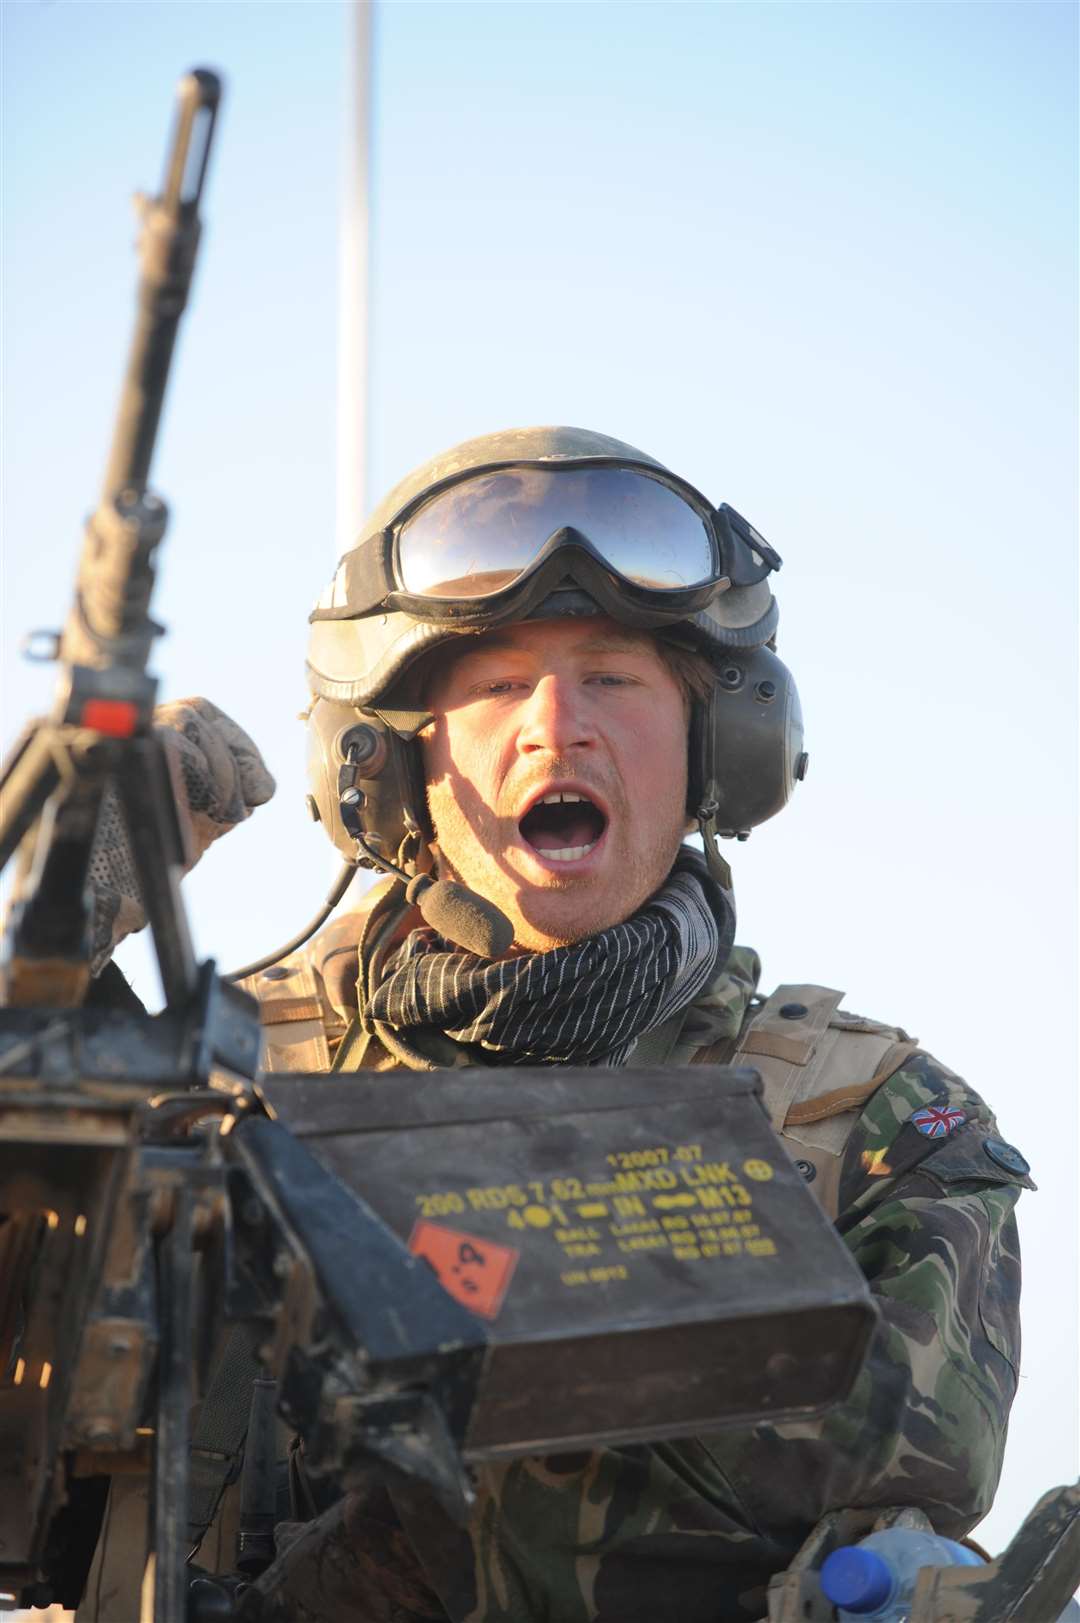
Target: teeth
(568, 853)
(563, 795)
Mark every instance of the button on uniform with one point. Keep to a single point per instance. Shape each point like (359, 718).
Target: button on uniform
(1006, 1156)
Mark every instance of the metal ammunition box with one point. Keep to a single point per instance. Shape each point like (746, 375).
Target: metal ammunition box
(643, 1252)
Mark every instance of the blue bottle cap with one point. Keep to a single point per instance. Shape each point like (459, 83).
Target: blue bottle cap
(856, 1579)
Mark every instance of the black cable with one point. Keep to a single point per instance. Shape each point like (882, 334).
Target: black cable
(340, 886)
(451, 909)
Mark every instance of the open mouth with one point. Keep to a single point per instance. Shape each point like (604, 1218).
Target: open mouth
(563, 826)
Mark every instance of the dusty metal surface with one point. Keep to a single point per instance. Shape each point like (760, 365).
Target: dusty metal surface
(1031, 1581)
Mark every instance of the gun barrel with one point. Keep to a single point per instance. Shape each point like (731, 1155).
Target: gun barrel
(167, 247)
(110, 622)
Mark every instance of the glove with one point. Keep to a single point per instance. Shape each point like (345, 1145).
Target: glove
(221, 771)
(220, 777)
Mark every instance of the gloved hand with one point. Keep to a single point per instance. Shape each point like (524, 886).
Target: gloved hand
(221, 777)
(224, 777)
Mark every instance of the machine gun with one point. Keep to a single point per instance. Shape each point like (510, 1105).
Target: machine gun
(97, 1255)
(99, 739)
(158, 1199)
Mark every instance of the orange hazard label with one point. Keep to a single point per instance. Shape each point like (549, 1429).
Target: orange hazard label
(476, 1271)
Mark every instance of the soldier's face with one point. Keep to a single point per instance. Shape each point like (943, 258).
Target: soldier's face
(556, 773)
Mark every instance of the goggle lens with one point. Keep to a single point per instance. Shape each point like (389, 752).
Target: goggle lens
(477, 537)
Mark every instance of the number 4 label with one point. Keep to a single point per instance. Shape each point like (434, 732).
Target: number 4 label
(474, 1270)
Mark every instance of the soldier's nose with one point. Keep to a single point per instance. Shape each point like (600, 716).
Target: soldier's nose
(554, 718)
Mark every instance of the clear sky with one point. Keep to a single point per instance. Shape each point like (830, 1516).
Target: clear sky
(818, 257)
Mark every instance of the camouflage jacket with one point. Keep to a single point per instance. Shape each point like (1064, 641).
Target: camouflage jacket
(692, 1530)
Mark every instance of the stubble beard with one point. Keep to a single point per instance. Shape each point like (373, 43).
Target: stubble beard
(566, 908)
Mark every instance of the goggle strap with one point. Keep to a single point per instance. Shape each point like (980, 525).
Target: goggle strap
(743, 547)
(361, 581)
(404, 723)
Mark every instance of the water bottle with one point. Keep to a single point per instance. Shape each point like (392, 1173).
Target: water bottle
(873, 1581)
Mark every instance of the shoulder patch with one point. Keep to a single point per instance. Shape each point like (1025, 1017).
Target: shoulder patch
(923, 1116)
(937, 1121)
(919, 1083)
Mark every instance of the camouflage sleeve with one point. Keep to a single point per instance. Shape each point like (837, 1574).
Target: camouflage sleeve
(926, 1208)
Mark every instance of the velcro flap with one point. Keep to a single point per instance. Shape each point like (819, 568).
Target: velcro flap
(835, 1103)
(277, 1011)
(772, 1046)
(786, 1032)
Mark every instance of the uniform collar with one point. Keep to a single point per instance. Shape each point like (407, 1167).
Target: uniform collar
(721, 1009)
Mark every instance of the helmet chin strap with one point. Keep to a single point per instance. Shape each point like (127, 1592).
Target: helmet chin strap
(716, 864)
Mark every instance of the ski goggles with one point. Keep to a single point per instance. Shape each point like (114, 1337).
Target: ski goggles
(488, 547)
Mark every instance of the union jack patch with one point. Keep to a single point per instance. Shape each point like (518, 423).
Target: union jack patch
(938, 1121)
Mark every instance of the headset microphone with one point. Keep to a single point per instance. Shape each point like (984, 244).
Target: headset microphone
(457, 914)
(461, 916)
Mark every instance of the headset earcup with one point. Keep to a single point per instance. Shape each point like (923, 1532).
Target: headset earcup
(392, 785)
(746, 742)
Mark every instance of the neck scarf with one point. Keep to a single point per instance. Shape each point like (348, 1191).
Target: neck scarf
(585, 1004)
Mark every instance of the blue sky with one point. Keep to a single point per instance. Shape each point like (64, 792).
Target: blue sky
(819, 257)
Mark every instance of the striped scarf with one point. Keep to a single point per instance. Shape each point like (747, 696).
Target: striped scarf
(585, 1004)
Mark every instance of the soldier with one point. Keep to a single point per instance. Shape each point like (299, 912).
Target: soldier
(545, 661)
